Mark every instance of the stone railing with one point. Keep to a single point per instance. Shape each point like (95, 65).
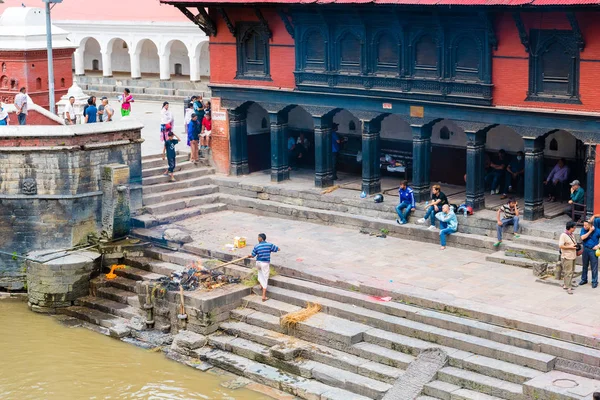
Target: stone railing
(51, 184)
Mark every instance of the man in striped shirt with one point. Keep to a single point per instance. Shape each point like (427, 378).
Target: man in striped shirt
(262, 251)
(510, 216)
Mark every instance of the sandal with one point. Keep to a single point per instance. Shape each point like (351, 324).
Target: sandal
(569, 291)
(265, 299)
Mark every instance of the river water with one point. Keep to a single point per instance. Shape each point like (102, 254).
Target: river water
(42, 359)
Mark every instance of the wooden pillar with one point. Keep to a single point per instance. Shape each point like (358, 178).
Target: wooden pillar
(590, 166)
(238, 143)
(534, 178)
(279, 152)
(371, 149)
(421, 162)
(475, 169)
(323, 153)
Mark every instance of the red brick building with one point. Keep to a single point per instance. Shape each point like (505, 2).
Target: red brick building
(23, 58)
(438, 85)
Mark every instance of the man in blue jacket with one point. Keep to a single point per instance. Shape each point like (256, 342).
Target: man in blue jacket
(590, 237)
(448, 224)
(407, 203)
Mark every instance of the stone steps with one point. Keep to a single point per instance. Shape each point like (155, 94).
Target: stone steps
(448, 391)
(177, 185)
(154, 266)
(122, 283)
(109, 306)
(114, 294)
(174, 257)
(150, 220)
(156, 164)
(325, 373)
(298, 386)
(182, 165)
(481, 383)
(179, 204)
(444, 337)
(501, 257)
(137, 274)
(179, 174)
(117, 326)
(202, 189)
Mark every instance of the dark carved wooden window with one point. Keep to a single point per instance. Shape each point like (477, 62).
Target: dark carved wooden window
(315, 47)
(466, 60)
(554, 67)
(426, 56)
(252, 53)
(350, 49)
(388, 57)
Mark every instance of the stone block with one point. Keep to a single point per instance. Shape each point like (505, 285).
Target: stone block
(331, 328)
(189, 340)
(557, 385)
(285, 352)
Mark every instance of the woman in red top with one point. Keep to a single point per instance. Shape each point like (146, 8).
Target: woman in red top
(206, 131)
(126, 99)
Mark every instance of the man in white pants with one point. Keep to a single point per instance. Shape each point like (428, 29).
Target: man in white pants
(262, 251)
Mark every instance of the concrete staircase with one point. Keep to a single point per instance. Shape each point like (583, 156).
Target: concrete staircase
(358, 346)
(166, 202)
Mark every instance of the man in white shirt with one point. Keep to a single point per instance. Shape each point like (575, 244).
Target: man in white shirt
(21, 105)
(108, 111)
(69, 113)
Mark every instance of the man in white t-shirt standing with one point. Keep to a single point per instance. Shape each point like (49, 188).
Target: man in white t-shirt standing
(21, 105)
(108, 111)
(69, 113)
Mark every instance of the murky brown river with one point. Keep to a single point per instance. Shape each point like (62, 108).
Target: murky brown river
(42, 359)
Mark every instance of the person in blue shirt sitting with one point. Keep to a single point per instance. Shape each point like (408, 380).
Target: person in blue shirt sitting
(407, 203)
(262, 251)
(448, 224)
(590, 237)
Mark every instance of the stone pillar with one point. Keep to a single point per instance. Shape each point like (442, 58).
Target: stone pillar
(371, 149)
(238, 143)
(534, 178)
(590, 166)
(421, 162)
(136, 70)
(194, 68)
(476, 169)
(79, 62)
(323, 154)
(115, 201)
(55, 279)
(165, 68)
(279, 152)
(107, 63)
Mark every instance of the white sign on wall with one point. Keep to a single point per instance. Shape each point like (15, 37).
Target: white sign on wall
(218, 116)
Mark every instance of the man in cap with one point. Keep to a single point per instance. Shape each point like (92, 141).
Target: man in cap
(577, 197)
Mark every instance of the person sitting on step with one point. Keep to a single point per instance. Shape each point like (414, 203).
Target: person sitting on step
(497, 172)
(438, 200)
(448, 224)
(577, 197)
(510, 216)
(407, 203)
(555, 180)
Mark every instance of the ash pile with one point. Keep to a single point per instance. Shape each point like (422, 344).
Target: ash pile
(196, 277)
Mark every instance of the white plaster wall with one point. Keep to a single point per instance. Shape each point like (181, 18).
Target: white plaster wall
(204, 61)
(120, 57)
(343, 118)
(149, 61)
(254, 120)
(299, 118)
(179, 55)
(92, 52)
(394, 127)
(567, 145)
(502, 137)
(458, 138)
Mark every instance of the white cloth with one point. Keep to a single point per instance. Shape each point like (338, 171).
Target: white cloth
(3, 113)
(205, 133)
(21, 102)
(264, 269)
(166, 117)
(71, 110)
(188, 115)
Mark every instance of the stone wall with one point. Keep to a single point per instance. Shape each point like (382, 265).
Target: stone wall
(51, 185)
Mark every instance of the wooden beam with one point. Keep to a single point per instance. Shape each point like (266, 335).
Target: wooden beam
(201, 20)
(521, 29)
(263, 22)
(286, 21)
(576, 31)
(209, 23)
(225, 17)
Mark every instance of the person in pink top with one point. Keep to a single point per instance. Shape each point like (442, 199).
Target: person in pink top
(126, 100)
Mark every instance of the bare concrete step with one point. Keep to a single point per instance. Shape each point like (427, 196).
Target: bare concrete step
(182, 165)
(179, 174)
(202, 189)
(114, 294)
(381, 355)
(137, 274)
(469, 326)
(180, 204)
(116, 325)
(174, 257)
(181, 184)
(557, 385)
(457, 340)
(109, 306)
(123, 283)
(447, 391)
(151, 265)
(481, 383)
(270, 306)
(500, 257)
(156, 161)
(151, 220)
(495, 368)
(302, 387)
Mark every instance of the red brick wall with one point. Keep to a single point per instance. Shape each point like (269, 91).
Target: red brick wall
(223, 58)
(510, 66)
(597, 185)
(220, 136)
(27, 67)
